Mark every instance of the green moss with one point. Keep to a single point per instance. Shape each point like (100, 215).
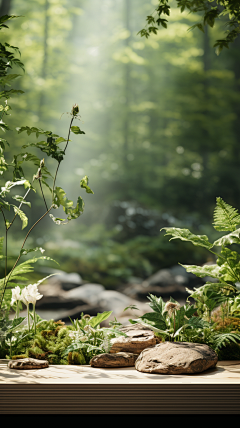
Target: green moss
(51, 340)
(76, 358)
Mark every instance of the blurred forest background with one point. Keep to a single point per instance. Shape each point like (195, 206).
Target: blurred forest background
(161, 117)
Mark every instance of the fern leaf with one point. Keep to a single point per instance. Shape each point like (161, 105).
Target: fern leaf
(19, 271)
(226, 218)
(224, 339)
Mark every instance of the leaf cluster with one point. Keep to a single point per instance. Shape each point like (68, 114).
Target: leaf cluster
(89, 339)
(210, 12)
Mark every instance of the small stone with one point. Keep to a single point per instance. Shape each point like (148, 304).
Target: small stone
(176, 358)
(139, 338)
(28, 363)
(120, 359)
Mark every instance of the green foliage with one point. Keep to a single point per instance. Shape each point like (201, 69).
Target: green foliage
(226, 270)
(51, 148)
(210, 11)
(226, 218)
(161, 321)
(88, 339)
(186, 235)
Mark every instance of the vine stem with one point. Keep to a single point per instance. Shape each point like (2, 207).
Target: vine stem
(7, 280)
(43, 194)
(64, 153)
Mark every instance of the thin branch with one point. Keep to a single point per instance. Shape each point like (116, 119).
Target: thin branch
(64, 153)
(5, 247)
(43, 194)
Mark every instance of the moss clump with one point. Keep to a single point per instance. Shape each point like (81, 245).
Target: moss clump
(19, 357)
(76, 358)
(51, 339)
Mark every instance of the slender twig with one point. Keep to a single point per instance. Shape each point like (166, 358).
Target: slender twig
(5, 247)
(64, 153)
(43, 194)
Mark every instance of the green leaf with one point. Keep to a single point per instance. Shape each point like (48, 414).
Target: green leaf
(20, 270)
(226, 218)
(59, 198)
(202, 271)
(6, 79)
(95, 321)
(23, 252)
(133, 307)
(156, 303)
(154, 319)
(9, 184)
(231, 238)
(186, 235)
(76, 130)
(22, 216)
(84, 184)
(22, 200)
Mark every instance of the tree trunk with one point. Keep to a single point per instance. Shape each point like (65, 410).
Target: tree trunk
(5, 7)
(126, 91)
(45, 56)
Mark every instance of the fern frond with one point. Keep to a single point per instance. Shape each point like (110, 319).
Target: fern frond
(226, 218)
(18, 275)
(224, 339)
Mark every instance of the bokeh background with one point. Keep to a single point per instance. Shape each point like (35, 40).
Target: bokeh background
(161, 120)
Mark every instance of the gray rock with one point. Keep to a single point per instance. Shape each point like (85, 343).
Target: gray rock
(87, 292)
(66, 280)
(58, 302)
(176, 291)
(139, 338)
(112, 300)
(76, 313)
(28, 363)
(163, 277)
(121, 359)
(176, 358)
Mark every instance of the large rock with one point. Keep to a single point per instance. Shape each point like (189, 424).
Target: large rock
(121, 359)
(87, 292)
(75, 313)
(139, 338)
(176, 358)
(112, 300)
(66, 280)
(58, 302)
(28, 363)
(173, 276)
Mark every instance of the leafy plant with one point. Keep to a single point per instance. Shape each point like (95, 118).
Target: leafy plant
(227, 267)
(89, 339)
(51, 146)
(167, 319)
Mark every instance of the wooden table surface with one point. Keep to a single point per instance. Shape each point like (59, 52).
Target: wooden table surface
(74, 389)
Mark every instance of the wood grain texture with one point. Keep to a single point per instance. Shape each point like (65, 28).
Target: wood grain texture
(119, 399)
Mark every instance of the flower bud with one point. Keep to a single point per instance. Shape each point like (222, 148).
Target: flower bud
(75, 110)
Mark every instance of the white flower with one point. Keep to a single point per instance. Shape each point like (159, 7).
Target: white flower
(16, 295)
(30, 294)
